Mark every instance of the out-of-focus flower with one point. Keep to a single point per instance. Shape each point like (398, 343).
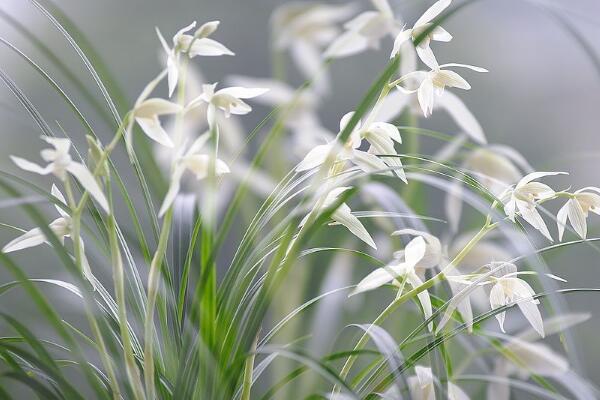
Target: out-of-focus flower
(577, 209)
(343, 216)
(493, 170)
(422, 386)
(195, 162)
(229, 100)
(523, 199)
(305, 28)
(508, 288)
(431, 85)
(61, 163)
(424, 23)
(365, 31)
(198, 44)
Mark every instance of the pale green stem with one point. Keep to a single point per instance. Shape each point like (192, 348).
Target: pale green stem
(76, 239)
(153, 286)
(248, 371)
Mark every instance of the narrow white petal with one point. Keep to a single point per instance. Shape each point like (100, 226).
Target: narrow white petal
(537, 175)
(85, 177)
(440, 34)
(31, 238)
(537, 358)
(425, 96)
(433, 12)
(347, 44)
(498, 299)
(173, 190)
(415, 250)
(242, 92)
(452, 79)
(423, 297)
(156, 106)
(577, 218)
(532, 314)
(59, 196)
(314, 158)
(462, 116)
(400, 40)
(343, 216)
(561, 219)
(426, 55)
(471, 67)
(370, 163)
(378, 278)
(29, 166)
(172, 73)
(208, 47)
(533, 217)
(154, 130)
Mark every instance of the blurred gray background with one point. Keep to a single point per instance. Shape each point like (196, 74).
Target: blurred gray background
(541, 96)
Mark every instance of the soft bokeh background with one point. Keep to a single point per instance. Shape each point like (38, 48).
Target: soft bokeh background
(542, 93)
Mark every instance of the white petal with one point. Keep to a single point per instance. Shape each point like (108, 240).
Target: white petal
(378, 278)
(173, 190)
(208, 47)
(425, 96)
(392, 106)
(456, 393)
(440, 34)
(531, 215)
(510, 209)
(162, 40)
(370, 162)
(383, 6)
(471, 67)
(386, 130)
(532, 314)
(154, 130)
(31, 167)
(59, 196)
(498, 299)
(307, 58)
(423, 297)
(345, 217)
(561, 219)
(349, 43)
(462, 116)
(62, 145)
(207, 29)
(415, 250)
(31, 238)
(242, 92)
(577, 218)
(85, 177)
(433, 12)
(172, 73)
(537, 175)
(426, 55)
(400, 40)
(156, 106)
(536, 358)
(452, 79)
(314, 158)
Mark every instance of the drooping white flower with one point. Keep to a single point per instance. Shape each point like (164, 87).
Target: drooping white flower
(365, 31)
(198, 44)
(381, 137)
(523, 199)
(229, 100)
(343, 216)
(305, 28)
(146, 113)
(577, 209)
(422, 386)
(195, 162)
(509, 288)
(431, 85)
(61, 164)
(424, 23)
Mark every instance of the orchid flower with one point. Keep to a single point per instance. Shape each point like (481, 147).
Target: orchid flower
(508, 288)
(381, 136)
(305, 29)
(424, 23)
(343, 216)
(61, 164)
(193, 45)
(365, 31)
(146, 113)
(229, 100)
(577, 209)
(194, 161)
(523, 198)
(61, 227)
(419, 254)
(433, 83)
(422, 386)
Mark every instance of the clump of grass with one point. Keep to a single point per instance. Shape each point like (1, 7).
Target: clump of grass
(209, 295)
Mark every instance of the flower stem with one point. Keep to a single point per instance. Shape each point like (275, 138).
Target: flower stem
(153, 285)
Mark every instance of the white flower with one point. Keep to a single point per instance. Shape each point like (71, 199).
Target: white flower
(493, 170)
(61, 163)
(422, 386)
(433, 83)
(146, 113)
(508, 288)
(229, 100)
(421, 253)
(577, 210)
(305, 28)
(192, 160)
(523, 199)
(438, 34)
(343, 216)
(193, 45)
(380, 135)
(365, 31)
